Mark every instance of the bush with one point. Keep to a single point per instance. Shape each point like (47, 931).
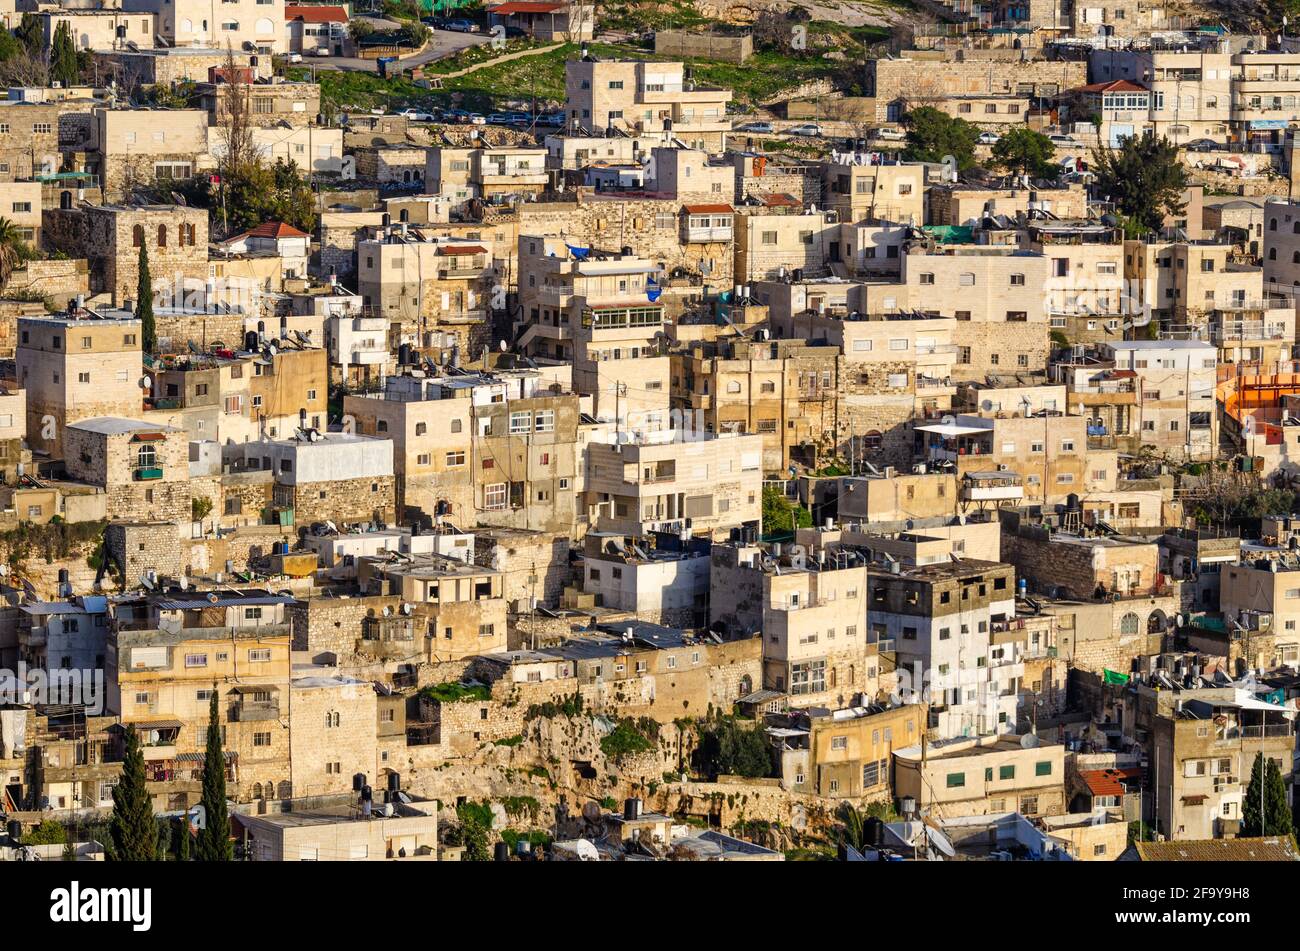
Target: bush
(48, 832)
(630, 737)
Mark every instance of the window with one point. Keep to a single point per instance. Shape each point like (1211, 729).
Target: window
(261, 739)
(196, 660)
(956, 780)
(456, 458)
(494, 496)
(1043, 769)
(259, 655)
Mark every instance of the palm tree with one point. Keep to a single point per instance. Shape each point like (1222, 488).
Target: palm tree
(13, 250)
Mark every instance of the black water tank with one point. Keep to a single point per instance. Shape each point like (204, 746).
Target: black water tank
(501, 853)
(404, 355)
(15, 829)
(367, 795)
(358, 782)
(632, 808)
(394, 782)
(250, 340)
(798, 275)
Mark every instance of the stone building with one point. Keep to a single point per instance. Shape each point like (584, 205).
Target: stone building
(332, 734)
(142, 467)
(339, 477)
(142, 147)
(77, 366)
(110, 238)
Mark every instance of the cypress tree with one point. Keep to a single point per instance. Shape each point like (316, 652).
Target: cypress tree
(214, 838)
(63, 56)
(1276, 819)
(144, 302)
(132, 830)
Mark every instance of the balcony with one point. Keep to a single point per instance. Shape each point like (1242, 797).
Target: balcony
(148, 473)
(247, 711)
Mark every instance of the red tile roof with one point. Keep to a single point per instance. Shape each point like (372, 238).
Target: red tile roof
(463, 249)
(775, 200)
(1107, 782)
(310, 14)
(272, 229)
(530, 6)
(1115, 85)
(709, 209)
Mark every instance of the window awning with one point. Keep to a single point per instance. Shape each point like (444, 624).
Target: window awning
(954, 429)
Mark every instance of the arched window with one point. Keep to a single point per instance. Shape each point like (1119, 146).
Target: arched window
(1295, 228)
(65, 200)
(257, 790)
(146, 456)
(1128, 624)
(286, 789)
(872, 439)
(853, 674)
(162, 236)
(1272, 254)
(404, 215)
(746, 686)
(137, 236)
(1272, 224)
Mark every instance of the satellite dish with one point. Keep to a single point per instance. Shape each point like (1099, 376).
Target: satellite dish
(586, 851)
(212, 597)
(406, 608)
(1029, 741)
(146, 383)
(503, 346)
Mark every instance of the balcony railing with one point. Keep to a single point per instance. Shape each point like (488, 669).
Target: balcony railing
(148, 473)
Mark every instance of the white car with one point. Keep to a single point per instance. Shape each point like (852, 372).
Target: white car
(988, 138)
(415, 115)
(889, 135)
(808, 128)
(1060, 139)
(295, 57)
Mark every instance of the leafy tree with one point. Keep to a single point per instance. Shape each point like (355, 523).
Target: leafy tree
(214, 838)
(48, 832)
(780, 515)
(132, 832)
(10, 46)
(725, 748)
(1144, 178)
(200, 508)
(1276, 819)
(1026, 151)
(144, 301)
(933, 135)
(64, 66)
(183, 839)
(475, 828)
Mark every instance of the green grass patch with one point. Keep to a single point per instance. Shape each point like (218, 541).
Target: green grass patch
(456, 693)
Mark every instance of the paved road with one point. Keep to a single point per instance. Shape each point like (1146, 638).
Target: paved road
(443, 43)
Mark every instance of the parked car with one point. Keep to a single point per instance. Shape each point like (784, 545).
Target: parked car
(808, 128)
(295, 57)
(476, 118)
(415, 115)
(498, 118)
(462, 26)
(762, 128)
(321, 51)
(988, 138)
(1203, 145)
(1059, 138)
(888, 134)
(551, 119)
